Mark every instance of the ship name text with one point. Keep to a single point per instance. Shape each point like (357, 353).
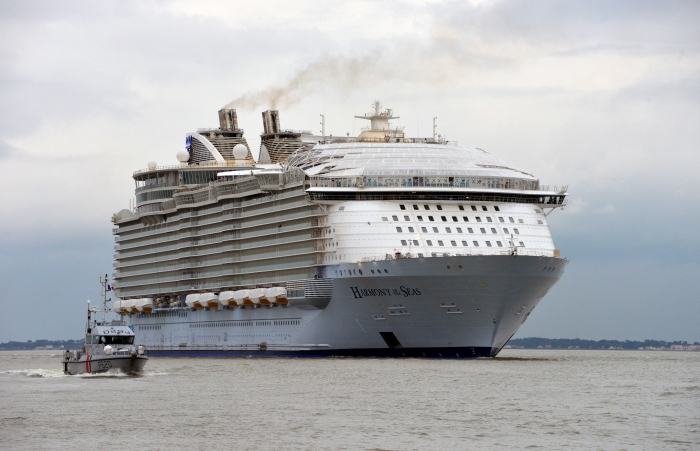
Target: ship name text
(369, 292)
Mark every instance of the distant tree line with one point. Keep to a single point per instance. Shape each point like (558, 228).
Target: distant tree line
(566, 343)
(19, 345)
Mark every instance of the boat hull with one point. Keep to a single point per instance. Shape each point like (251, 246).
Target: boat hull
(457, 307)
(101, 364)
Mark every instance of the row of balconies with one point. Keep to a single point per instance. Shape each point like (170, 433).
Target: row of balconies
(221, 261)
(223, 228)
(198, 250)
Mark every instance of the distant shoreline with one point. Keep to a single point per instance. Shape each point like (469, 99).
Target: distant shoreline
(607, 345)
(516, 343)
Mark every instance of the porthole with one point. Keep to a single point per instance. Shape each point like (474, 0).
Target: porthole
(387, 272)
(372, 271)
(460, 267)
(449, 267)
(360, 271)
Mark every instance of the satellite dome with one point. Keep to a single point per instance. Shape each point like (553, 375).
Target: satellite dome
(240, 152)
(152, 165)
(183, 156)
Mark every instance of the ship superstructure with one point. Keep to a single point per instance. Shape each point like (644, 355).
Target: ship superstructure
(375, 245)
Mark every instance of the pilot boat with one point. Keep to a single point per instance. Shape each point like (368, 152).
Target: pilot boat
(108, 346)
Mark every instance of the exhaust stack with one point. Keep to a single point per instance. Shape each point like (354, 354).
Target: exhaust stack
(228, 120)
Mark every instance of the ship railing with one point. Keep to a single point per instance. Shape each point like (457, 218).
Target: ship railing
(445, 181)
(225, 164)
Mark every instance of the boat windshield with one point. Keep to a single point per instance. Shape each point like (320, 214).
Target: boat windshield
(114, 340)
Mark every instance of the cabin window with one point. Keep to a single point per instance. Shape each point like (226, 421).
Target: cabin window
(505, 230)
(403, 242)
(430, 243)
(470, 230)
(500, 218)
(420, 218)
(440, 243)
(424, 230)
(493, 230)
(496, 208)
(435, 230)
(454, 243)
(520, 221)
(461, 207)
(539, 221)
(466, 219)
(483, 230)
(395, 218)
(483, 207)
(415, 242)
(444, 219)
(398, 229)
(476, 243)
(517, 232)
(114, 339)
(415, 207)
(510, 218)
(410, 229)
(406, 218)
(430, 218)
(478, 219)
(448, 230)
(489, 219)
(464, 243)
(522, 244)
(439, 207)
(488, 243)
(403, 207)
(499, 244)
(459, 230)
(426, 207)
(454, 219)
(473, 207)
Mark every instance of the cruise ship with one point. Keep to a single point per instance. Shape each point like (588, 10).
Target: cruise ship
(377, 245)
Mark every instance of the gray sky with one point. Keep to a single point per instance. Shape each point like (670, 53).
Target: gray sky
(601, 96)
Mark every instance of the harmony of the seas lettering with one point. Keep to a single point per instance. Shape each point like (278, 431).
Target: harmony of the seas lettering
(368, 292)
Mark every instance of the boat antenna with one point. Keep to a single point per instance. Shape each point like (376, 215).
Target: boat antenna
(105, 288)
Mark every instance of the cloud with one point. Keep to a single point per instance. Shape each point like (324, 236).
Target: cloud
(601, 96)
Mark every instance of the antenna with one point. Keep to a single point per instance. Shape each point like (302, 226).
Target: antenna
(434, 127)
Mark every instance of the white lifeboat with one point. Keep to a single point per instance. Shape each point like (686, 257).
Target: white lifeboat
(144, 305)
(254, 296)
(277, 295)
(192, 301)
(117, 307)
(240, 296)
(127, 305)
(264, 299)
(227, 298)
(210, 300)
(132, 305)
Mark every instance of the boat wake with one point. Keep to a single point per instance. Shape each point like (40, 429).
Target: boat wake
(59, 373)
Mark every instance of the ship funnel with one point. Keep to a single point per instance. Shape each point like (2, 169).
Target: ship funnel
(228, 120)
(271, 121)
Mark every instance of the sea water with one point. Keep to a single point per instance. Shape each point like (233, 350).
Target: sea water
(523, 399)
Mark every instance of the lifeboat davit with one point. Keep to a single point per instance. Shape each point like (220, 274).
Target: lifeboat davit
(227, 299)
(210, 300)
(192, 301)
(144, 305)
(277, 295)
(254, 296)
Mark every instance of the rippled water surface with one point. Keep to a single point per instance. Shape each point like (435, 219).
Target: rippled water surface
(520, 400)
